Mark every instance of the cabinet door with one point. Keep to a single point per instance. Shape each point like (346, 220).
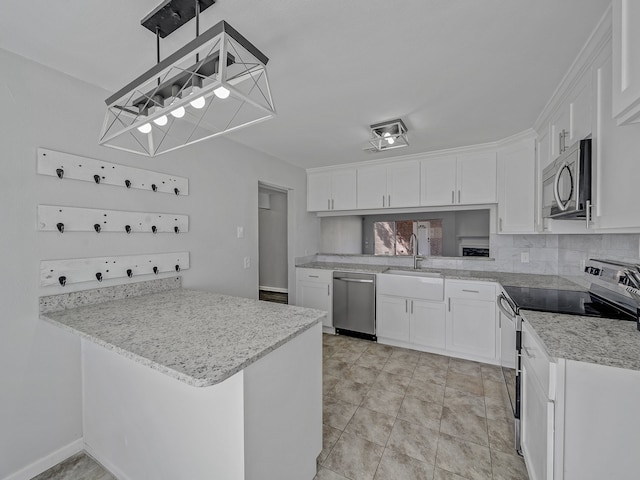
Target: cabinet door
(580, 110)
(392, 318)
(428, 324)
(318, 191)
(538, 418)
(476, 179)
(315, 295)
(438, 176)
(343, 189)
(516, 188)
(626, 61)
(403, 184)
(372, 187)
(560, 130)
(471, 327)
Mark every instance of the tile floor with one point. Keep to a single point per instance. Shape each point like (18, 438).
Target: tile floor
(397, 414)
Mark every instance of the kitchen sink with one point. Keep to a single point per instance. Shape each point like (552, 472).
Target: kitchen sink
(412, 284)
(413, 273)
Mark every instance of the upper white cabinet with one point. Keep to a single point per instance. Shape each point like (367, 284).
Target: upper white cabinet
(392, 185)
(465, 179)
(626, 61)
(331, 190)
(516, 188)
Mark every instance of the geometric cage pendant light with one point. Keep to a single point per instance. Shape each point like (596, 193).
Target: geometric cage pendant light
(389, 135)
(216, 83)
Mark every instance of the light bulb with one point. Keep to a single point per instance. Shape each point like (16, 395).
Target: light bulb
(387, 136)
(178, 112)
(145, 128)
(161, 120)
(221, 92)
(198, 102)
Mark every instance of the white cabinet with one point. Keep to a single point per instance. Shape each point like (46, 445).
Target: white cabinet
(467, 179)
(314, 290)
(389, 185)
(410, 320)
(471, 320)
(392, 318)
(626, 61)
(537, 407)
(516, 188)
(331, 190)
(428, 324)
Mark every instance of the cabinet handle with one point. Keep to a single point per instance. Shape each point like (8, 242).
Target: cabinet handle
(411, 307)
(588, 212)
(458, 196)
(449, 303)
(406, 305)
(528, 352)
(389, 202)
(328, 204)
(471, 291)
(500, 227)
(453, 196)
(383, 201)
(328, 292)
(314, 276)
(332, 206)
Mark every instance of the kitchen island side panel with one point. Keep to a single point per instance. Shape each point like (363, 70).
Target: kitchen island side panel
(141, 423)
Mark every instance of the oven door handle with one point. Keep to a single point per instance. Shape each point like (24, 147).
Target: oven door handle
(511, 311)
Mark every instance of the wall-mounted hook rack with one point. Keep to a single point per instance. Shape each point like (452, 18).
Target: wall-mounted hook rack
(83, 168)
(78, 270)
(75, 219)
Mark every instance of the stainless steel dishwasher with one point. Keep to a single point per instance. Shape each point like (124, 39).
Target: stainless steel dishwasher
(354, 304)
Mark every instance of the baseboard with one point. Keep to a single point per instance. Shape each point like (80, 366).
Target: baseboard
(45, 463)
(273, 289)
(106, 464)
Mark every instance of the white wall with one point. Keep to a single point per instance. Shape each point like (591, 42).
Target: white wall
(341, 234)
(39, 365)
(272, 227)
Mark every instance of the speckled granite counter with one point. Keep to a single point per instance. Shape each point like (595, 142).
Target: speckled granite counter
(503, 278)
(603, 341)
(199, 338)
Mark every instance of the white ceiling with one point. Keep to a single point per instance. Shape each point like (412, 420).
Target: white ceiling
(458, 72)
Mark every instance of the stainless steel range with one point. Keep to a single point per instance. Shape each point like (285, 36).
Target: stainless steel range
(614, 293)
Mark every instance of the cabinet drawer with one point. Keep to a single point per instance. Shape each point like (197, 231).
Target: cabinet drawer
(314, 275)
(542, 365)
(471, 290)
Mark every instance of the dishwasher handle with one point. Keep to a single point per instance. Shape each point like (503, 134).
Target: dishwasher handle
(354, 280)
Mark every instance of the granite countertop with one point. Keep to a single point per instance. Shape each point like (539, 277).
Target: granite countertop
(199, 338)
(503, 278)
(603, 341)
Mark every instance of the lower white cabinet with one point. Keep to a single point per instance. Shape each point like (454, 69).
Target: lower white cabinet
(471, 320)
(410, 320)
(314, 290)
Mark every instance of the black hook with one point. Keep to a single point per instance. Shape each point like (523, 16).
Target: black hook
(96, 178)
(154, 229)
(176, 191)
(127, 183)
(60, 173)
(177, 268)
(62, 280)
(176, 229)
(129, 273)
(127, 228)
(154, 187)
(60, 227)
(99, 276)
(155, 270)
(97, 227)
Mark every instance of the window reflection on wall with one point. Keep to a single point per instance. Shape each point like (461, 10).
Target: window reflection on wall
(394, 238)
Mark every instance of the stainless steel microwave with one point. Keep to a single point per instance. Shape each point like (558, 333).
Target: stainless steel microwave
(566, 183)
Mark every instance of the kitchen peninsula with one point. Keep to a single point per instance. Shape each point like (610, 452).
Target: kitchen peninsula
(189, 384)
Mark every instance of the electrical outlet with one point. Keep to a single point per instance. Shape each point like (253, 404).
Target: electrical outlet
(247, 262)
(524, 257)
(240, 232)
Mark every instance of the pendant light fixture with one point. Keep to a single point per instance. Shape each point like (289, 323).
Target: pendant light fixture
(389, 135)
(216, 83)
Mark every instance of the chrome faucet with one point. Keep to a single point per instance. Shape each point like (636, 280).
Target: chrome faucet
(416, 257)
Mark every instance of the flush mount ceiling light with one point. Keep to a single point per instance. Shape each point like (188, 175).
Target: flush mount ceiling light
(389, 135)
(214, 84)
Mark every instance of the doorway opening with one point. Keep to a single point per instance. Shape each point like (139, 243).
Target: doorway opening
(273, 266)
